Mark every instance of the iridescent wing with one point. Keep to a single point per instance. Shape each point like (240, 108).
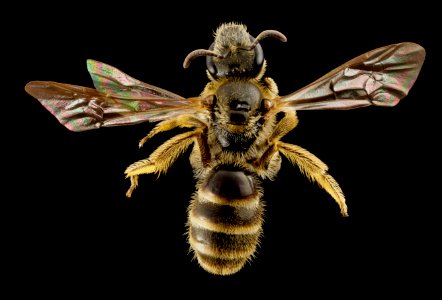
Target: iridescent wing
(379, 77)
(117, 100)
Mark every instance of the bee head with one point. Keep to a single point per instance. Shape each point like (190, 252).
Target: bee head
(234, 52)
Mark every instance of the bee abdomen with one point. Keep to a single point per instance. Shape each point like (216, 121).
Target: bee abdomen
(225, 221)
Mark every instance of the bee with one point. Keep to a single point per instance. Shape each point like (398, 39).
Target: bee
(235, 126)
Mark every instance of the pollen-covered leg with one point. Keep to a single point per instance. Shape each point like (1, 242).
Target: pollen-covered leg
(162, 158)
(315, 170)
(310, 165)
(184, 121)
(144, 166)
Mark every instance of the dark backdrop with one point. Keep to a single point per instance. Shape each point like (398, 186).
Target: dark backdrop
(72, 231)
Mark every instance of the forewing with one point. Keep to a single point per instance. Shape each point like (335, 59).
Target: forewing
(379, 77)
(81, 108)
(113, 82)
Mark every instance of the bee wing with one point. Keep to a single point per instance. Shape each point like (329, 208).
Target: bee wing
(113, 82)
(379, 77)
(118, 100)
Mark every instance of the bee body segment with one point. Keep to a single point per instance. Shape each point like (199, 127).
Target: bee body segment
(225, 221)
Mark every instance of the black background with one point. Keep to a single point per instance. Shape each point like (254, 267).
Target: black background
(72, 231)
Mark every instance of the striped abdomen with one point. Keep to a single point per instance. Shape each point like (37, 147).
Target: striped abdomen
(225, 221)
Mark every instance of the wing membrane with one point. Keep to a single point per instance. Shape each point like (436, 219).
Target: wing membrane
(113, 82)
(379, 77)
(81, 108)
(117, 100)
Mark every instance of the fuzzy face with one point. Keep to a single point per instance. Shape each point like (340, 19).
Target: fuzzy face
(232, 42)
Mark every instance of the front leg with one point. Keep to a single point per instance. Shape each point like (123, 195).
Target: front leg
(184, 121)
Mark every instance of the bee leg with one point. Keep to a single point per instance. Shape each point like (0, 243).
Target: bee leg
(284, 126)
(144, 166)
(309, 164)
(204, 148)
(133, 185)
(162, 158)
(315, 170)
(184, 121)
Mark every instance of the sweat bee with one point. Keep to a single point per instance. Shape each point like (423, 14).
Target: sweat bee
(235, 127)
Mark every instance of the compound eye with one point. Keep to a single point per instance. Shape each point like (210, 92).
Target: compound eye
(259, 53)
(210, 64)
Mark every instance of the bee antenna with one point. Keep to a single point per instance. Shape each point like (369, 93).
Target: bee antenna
(197, 53)
(268, 33)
